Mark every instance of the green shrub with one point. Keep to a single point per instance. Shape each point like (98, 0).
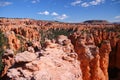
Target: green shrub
(53, 33)
(3, 43)
(22, 43)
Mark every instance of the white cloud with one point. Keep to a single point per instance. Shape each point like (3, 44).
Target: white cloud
(96, 2)
(85, 4)
(76, 2)
(35, 1)
(44, 13)
(62, 17)
(54, 14)
(117, 17)
(2, 4)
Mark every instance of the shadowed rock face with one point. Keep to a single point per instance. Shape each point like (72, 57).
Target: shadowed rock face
(86, 55)
(118, 55)
(8, 60)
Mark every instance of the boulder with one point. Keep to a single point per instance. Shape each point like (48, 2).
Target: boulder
(25, 57)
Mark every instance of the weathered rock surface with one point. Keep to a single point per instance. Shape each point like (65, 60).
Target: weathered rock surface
(8, 61)
(94, 60)
(13, 41)
(97, 44)
(52, 63)
(104, 57)
(25, 57)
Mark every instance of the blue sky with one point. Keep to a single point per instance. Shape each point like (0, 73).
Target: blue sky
(62, 10)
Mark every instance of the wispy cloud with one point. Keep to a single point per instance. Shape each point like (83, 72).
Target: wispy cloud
(62, 17)
(86, 4)
(54, 14)
(96, 2)
(44, 13)
(35, 1)
(77, 2)
(117, 17)
(2, 4)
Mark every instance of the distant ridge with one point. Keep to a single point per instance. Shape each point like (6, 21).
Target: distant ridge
(96, 22)
(85, 22)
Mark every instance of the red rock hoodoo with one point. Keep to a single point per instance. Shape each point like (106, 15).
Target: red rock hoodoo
(48, 50)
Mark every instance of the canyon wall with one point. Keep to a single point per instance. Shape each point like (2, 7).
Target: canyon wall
(34, 50)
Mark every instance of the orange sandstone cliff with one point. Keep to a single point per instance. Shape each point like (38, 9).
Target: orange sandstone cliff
(60, 51)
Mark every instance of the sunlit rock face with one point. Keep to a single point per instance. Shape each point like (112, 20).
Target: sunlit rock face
(94, 59)
(19, 31)
(52, 63)
(104, 57)
(13, 41)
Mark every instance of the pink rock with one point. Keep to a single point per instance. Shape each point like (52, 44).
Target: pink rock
(25, 57)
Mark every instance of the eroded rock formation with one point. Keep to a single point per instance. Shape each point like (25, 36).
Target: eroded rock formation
(86, 55)
(8, 61)
(13, 41)
(94, 60)
(52, 63)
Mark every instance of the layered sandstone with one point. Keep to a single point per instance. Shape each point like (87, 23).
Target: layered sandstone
(95, 60)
